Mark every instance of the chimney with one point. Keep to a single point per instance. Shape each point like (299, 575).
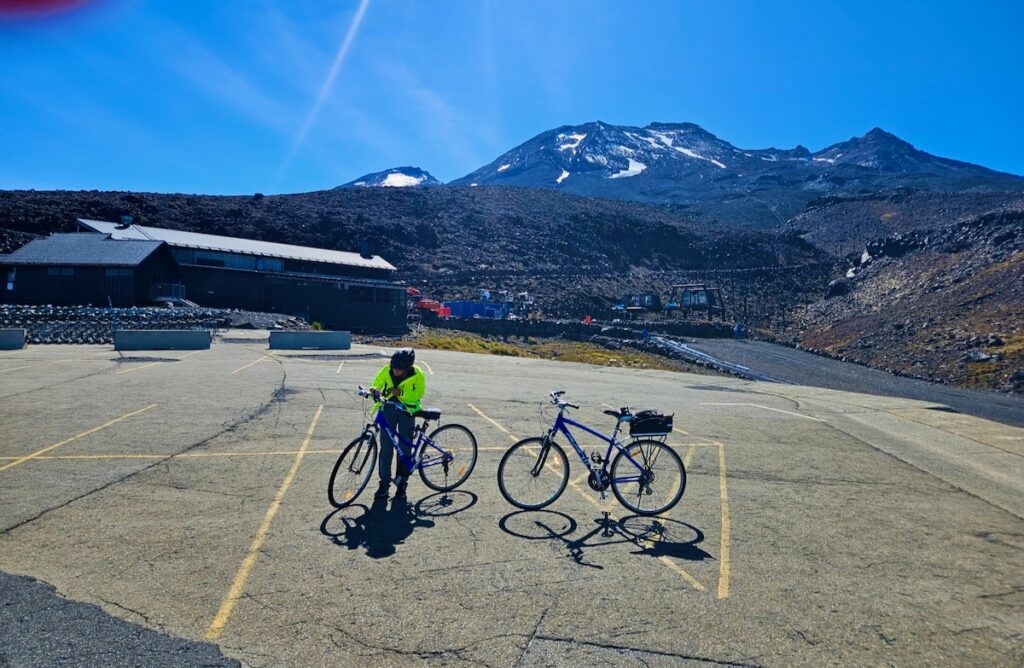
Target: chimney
(126, 222)
(366, 249)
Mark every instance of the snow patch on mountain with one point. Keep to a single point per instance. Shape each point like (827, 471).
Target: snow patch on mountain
(571, 141)
(399, 180)
(504, 167)
(633, 169)
(397, 177)
(563, 176)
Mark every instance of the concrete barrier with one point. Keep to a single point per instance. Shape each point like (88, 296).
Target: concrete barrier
(161, 339)
(12, 339)
(310, 340)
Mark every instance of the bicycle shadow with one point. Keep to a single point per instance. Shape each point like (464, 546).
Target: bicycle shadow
(654, 536)
(379, 528)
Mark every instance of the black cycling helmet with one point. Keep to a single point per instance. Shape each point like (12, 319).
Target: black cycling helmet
(403, 359)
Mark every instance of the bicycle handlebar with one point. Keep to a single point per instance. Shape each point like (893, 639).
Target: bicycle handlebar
(375, 394)
(555, 394)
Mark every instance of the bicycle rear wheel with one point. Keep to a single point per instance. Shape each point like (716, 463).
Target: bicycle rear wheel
(448, 457)
(352, 471)
(653, 487)
(533, 473)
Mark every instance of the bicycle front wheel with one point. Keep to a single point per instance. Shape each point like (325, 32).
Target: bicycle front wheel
(651, 480)
(533, 473)
(352, 471)
(448, 457)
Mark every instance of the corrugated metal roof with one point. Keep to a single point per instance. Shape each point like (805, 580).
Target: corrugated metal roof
(97, 250)
(233, 245)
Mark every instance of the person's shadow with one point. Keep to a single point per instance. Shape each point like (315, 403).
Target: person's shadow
(379, 529)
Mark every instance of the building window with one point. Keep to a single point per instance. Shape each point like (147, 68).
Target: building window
(60, 271)
(10, 278)
(118, 272)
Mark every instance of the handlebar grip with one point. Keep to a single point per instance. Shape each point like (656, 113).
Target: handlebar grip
(572, 405)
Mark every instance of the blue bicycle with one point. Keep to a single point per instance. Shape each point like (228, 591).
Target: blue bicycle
(445, 458)
(645, 474)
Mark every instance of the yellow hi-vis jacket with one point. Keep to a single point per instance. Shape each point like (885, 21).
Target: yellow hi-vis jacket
(409, 391)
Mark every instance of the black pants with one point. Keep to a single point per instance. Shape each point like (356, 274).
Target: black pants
(403, 424)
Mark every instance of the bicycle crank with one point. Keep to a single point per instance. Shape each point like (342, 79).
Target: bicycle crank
(598, 484)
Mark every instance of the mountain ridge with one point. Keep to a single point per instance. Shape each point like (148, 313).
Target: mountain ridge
(685, 164)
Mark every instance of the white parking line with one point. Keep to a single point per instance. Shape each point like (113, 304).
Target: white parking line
(767, 408)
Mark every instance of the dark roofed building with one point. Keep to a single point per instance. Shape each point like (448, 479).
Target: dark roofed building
(124, 264)
(87, 269)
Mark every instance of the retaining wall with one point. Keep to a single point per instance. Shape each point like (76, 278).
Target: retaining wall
(310, 340)
(161, 339)
(578, 331)
(12, 339)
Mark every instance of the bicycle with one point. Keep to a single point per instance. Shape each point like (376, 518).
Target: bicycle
(535, 471)
(445, 458)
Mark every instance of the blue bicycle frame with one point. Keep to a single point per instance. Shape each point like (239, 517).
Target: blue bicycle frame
(562, 425)
(412, 462)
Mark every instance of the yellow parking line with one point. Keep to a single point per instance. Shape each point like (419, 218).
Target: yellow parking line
(191, 455)
(38, 364)
(75, 437)
(243, 368)
(689, 457)
(428, 367)
(139, 368)
(238, 585)
(723, 563)
(506, 431)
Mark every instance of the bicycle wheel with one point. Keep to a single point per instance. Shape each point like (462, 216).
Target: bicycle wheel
(655, 485)
(352, 471)
(533, 474)
(448, 456)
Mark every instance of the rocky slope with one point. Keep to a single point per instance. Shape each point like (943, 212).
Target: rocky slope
(945, 304)
(576, 255)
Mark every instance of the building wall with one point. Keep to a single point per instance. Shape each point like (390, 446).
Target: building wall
(100, 286)
(334, 303)
(70, 285)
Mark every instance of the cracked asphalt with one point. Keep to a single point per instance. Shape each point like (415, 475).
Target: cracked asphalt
(174, 500)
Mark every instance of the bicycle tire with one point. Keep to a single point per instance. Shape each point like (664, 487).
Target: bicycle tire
(463, 469)
(520, 457)
(678, 485)
(364, 460)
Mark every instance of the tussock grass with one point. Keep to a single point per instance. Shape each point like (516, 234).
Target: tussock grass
(551, 349)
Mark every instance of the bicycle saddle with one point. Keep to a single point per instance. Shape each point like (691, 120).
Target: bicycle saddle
(620, 414)
(428, 413)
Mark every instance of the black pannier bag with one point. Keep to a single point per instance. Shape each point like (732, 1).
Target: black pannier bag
(650, 423)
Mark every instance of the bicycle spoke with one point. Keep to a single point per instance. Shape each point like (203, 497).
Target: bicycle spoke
(661, 481)
(532, 474)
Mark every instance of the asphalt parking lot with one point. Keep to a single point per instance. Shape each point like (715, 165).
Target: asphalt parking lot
(186, 493)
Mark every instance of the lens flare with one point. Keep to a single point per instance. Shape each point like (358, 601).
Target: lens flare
(15, 9)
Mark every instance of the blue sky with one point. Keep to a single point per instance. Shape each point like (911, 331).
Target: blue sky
(230, 96)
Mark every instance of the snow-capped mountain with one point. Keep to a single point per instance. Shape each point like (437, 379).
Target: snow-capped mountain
(397, 177)
(683, 163)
